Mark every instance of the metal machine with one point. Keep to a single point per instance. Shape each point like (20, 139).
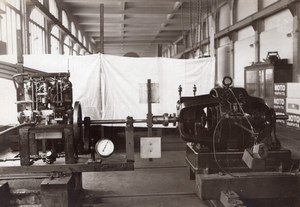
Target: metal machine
(228, 120)
(225, 119)
(227, 131)
(232, 146)
(47, 98)
(47, 118)
(45, 113)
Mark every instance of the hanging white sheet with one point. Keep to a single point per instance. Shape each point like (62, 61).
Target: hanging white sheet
(121, 77)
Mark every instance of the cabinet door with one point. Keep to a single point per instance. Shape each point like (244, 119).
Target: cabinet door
(269, 73)
(261, 83)
(251, 82)
(269, 83)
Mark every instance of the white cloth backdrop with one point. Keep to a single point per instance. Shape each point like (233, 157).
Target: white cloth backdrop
(121, 76)
(108, 86)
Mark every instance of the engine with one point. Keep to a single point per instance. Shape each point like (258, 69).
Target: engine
(47, 98)
(226, 119)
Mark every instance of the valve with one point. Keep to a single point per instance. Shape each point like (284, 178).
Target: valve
(179, 90)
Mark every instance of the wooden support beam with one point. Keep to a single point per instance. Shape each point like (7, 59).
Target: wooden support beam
(4, 194)
(295, 10)
(56, 192)
(101, 28)
(24, 146)
(80, 167)
(270, 185)
(159, 50)
(258, 27)
(52, 18)
(129, 140)
(266, 12)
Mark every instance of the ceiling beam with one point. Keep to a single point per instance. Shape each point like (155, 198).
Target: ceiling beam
(117, 27)
(111, 21)
(110, 1)
(132, 38)
(140, 42)
(92, 11)
(139, 34)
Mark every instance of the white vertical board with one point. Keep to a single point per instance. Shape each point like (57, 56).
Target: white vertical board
(150, 147)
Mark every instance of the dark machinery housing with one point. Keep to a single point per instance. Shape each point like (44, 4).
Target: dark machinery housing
(227, 118)
(231, 142)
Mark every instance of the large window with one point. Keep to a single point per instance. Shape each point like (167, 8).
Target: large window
(37, 32)
(54, 39)
(67, 46)
(75, 49)
(73, 29)
(10, 23)
(53, 8)
(79, 36)
(65, 20)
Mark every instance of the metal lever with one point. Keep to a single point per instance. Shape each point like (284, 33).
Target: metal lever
(194, 89)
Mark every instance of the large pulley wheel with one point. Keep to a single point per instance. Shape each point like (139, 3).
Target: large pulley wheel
(77, 119)
(86, 135)
(81, 130)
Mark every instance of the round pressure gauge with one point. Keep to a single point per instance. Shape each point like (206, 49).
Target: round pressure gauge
(104, 147)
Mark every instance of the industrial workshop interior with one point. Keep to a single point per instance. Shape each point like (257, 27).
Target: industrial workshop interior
(150, 103)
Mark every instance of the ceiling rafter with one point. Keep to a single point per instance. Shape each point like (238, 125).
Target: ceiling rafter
(143, 23)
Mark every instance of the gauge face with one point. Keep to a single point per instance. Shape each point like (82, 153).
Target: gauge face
(104, 147)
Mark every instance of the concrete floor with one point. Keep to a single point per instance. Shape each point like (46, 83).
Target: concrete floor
(163, 182)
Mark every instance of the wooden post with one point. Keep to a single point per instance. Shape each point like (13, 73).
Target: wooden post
(102, 28)
(159, 50)
(69, 145)
(129, 140)
(33, 144)
(24, 146)
(20, 69)
(149, 101)
(258, 27)
(58, 192)
(295, 10)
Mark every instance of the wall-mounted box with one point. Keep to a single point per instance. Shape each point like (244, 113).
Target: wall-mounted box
(293, 90)
(260, 79)
(293, 105)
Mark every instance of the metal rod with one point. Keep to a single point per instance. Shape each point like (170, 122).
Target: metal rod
(15, 127)
(149, 115)
(115, 121)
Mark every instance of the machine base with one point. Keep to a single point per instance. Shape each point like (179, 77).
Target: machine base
(255, 185)
(204, 162)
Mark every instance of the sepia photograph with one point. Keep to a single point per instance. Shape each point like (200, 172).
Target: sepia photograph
(149, 103)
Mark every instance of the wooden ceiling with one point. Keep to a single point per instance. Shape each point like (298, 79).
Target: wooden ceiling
(134, 25)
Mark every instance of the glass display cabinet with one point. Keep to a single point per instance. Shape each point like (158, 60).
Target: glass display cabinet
(260, 79)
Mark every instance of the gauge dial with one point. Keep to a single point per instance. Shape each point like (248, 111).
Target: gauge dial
(105, 147)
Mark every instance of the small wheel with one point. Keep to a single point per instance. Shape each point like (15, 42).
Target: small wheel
(227, 81)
